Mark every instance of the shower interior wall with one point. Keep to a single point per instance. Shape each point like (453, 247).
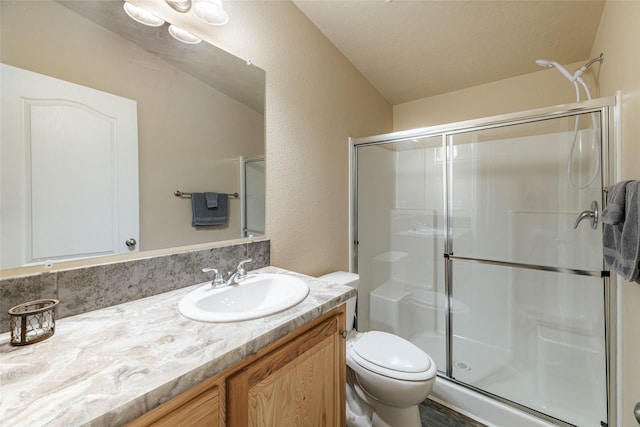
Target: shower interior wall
(507, 321)
(377, 199)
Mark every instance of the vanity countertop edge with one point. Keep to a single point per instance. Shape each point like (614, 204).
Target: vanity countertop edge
(109, 366)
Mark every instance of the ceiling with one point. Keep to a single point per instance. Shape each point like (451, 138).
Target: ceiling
(413, 49)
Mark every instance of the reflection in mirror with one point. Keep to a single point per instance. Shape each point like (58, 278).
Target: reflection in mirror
(252, 183)
(200, 110)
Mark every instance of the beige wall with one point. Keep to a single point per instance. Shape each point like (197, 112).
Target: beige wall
(536, 90)
(316, 100)
(619, 38)
(173, 154)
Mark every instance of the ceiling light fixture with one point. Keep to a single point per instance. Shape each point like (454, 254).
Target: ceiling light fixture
(180, 5)
(210, 11)
(183, 35)
(142, 16)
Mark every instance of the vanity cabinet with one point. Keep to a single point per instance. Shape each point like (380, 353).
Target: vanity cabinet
(302, 383)
(297, 381)
(201, 406)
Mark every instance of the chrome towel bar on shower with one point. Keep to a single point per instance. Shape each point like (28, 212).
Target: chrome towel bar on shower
(179, 193)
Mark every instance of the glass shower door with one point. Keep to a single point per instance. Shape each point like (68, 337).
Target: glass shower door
(400, 241)
(529, 276)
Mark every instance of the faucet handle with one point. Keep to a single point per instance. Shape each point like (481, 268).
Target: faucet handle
(217, 277)
(592, 214)
(241, 268)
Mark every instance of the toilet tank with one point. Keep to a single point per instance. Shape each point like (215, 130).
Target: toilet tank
(347, 279)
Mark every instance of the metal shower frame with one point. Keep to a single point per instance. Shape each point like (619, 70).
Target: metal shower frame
(609, 118)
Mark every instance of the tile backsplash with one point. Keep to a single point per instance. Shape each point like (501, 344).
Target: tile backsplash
(90, 288)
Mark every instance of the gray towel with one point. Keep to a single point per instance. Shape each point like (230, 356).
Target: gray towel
(212, 200)
(203, 215)
(621, 229)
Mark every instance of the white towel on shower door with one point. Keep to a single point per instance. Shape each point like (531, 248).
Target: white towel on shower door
(621, 230)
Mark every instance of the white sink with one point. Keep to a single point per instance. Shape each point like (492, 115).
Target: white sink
(256, 296)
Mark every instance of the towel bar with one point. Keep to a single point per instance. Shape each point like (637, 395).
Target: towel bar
(179, 193)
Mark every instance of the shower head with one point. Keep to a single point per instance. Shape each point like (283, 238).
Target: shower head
(544, 63)
(567, 74)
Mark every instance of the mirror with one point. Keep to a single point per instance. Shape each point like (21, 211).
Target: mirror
(200, 110)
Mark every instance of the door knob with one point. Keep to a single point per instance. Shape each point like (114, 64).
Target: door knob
(131, 243)
(592, 214)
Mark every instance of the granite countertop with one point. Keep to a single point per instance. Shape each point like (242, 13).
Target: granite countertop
(109, 366)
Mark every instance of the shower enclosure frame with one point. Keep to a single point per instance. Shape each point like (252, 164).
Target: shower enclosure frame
(609, 118)
(248, 185)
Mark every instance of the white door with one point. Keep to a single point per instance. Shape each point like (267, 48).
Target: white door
(69, 170)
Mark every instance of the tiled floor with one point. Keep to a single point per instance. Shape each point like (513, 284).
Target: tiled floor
(432, 414)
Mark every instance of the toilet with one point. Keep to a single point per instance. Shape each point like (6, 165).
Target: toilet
(387, 376)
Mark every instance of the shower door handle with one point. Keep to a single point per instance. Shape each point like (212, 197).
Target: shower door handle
(593, 215)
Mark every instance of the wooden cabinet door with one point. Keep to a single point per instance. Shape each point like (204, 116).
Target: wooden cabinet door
(299, 384)
(198, 407)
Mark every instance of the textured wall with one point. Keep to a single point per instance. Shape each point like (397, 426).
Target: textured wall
(315, 100)
(536, 90)
(619, 38)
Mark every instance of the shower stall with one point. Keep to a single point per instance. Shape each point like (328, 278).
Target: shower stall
(473, 242)
(252, 195)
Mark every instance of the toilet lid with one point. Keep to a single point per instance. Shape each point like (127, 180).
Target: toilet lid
(391, 352)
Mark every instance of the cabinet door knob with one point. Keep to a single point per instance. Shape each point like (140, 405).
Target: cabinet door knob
(344, 333)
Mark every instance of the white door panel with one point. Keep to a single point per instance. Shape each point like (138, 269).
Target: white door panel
(69, 168)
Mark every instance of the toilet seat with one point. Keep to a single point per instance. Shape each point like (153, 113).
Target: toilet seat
(392, 356)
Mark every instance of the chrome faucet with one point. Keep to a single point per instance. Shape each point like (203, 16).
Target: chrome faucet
(233, 277)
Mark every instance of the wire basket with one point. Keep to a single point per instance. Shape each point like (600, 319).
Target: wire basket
(33, 321)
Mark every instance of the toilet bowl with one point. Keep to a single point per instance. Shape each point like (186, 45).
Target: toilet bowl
(387, 375)
(394, 375)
